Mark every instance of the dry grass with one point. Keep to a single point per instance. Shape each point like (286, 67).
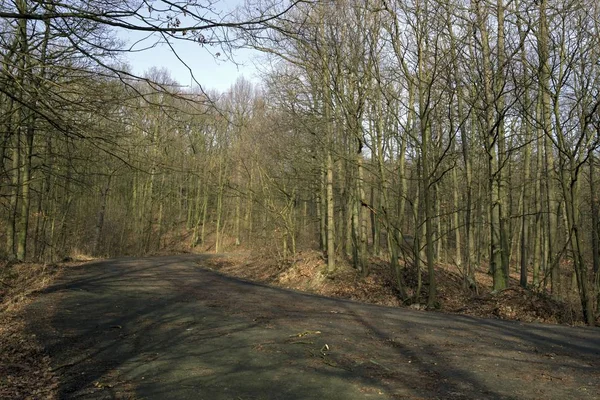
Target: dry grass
(19, 281)
(25, 371)
(307, 272)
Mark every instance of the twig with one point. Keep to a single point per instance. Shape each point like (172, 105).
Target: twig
(379, 365)
(65, 365)
(302, 342)
(6, 284)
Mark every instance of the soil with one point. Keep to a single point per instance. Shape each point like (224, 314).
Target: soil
(168, 328)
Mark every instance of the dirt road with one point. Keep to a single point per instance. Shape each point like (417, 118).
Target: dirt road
(164, 328)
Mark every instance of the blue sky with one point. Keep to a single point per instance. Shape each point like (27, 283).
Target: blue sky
(210, 71)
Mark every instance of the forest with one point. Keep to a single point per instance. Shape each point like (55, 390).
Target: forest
(420, 132)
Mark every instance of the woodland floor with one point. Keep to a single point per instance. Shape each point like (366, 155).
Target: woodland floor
(168, 328)
(306, 272)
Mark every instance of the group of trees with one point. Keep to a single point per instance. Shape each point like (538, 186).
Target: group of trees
(80, 131)
(457, 132)
(474, 127)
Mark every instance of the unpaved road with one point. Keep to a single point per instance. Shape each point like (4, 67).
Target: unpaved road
(164, 328)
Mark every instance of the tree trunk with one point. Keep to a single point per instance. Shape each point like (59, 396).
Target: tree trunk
(100, 218)
(595, 230)
(25, 194)
(495, 212)
(330, 216)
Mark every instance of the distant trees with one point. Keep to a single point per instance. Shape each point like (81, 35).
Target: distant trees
(66, 112)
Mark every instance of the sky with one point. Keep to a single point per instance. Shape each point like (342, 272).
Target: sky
(210, 71)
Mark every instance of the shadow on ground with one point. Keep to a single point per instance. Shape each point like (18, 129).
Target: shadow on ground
(163, 328)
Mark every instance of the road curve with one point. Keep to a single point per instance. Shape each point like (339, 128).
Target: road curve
(165, 328)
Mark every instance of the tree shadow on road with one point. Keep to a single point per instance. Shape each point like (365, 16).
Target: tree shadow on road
(161, 328)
